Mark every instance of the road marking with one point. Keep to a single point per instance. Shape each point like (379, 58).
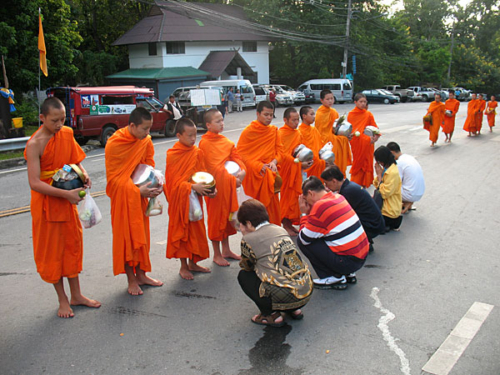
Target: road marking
(443, 360)
(383, 325)
(417, 128)
(96, 160)
(14, 170)
(162, 242)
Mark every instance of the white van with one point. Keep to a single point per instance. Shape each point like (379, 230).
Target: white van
(243, 85)
(341, 88)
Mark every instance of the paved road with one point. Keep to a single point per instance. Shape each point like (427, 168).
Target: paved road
(425, 278)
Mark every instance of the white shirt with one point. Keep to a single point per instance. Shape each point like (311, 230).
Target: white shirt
(412, 178)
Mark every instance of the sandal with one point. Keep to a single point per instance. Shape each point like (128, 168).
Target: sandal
(296, 314)
(269, 320)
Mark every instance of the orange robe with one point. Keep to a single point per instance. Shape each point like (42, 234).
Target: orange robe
(131, 238)
(258, 145)
(325, 117)
(217, 150)
(311, 138)
(491, 115)
(470, 122)
(291, 173)
(481, 105)
(436, 110)
(449, 122)
(362, 148)
(56, 229)
(186, 239)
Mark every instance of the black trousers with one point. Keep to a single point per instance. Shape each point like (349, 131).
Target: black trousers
(326, 263)
(393, 223)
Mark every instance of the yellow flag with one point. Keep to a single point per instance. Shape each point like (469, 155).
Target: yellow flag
(41, 47)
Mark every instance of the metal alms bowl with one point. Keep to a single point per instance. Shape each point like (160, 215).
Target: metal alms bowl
(371, 131)
(232, 168)
(143, 175)
(345, 129)
(302, 153)
(76, 183)
(205, 178)
(327, 156)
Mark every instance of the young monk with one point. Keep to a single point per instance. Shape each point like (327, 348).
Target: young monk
(291, 172)
(261, 149)
(311, 138)
(125, 150)
(325, 118)
(470, 124)
(187, 240)
(491, 112)
(218, 150)
(481, 105)
(362, 146)
(451, 105)
(436, 111)
(56, 229)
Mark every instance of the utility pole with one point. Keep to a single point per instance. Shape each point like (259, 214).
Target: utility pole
(346, 47)
(451, 51)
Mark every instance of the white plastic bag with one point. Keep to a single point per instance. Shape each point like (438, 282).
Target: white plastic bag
(242, 197)
(154, 208)
(88, 212)
(195, 212)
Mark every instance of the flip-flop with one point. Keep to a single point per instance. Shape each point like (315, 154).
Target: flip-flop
(268, 320)
(294, 316)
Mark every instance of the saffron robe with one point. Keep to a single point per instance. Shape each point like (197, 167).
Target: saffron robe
(218, 150)
(436, 110)
(481, 105)
(449, 122)
(258, 145)
(291, 173)
(131, 237)
(56, 229)
(186, 239)
(311, 138)
(362, 148)
(325, 118)
(491, 112)
(470, 122)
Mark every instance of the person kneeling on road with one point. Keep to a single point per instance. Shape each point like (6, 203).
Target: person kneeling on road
(331, 236)
(273, 274)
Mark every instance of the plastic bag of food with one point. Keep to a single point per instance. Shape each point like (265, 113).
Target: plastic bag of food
(154, 208)
(242, 197)
(195, 212)
(88, 212)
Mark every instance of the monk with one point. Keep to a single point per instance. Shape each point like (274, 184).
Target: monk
(481, 105)
(491, 112)
(261, 150)
(470, 124)
(125, 150)
(187, 240)
(218, 150)
(362, 145)
(436, 111)
(56, 229)
(452, 106)
(311, 138)
(291, 172)
(324, 122)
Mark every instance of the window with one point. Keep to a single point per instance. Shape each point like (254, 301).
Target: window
(249, 46)
(176, 48)
(110, 100)
(152, 49)
(246, 89)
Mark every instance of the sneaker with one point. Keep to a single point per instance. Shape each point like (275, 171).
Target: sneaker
(331, 283)
(351, 278)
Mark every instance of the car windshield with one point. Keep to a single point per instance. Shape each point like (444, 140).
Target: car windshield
(155, 103)
(385, 92)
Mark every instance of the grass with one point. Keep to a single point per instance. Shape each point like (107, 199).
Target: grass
(11, 155)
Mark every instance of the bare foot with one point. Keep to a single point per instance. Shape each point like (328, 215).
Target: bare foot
(65, 310)
(220, 261)
(135, 290)
(229, 254)
(197, 268)
(84, 301)
(185, 274)
(146, 280)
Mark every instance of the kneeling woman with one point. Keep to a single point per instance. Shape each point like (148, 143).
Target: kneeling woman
(273, 274)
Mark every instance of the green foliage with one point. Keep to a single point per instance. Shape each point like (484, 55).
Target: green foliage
(28, 110)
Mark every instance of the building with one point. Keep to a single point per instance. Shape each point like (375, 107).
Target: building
(183, 44)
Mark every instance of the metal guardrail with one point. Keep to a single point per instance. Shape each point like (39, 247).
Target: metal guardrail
(13, 144)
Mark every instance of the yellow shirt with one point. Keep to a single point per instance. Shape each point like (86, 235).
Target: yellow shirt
(390, 189)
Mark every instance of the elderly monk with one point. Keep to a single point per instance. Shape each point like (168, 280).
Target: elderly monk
(452, 106)
(261, 150)
(325, 119)
(481, 105)
(125, 150)
(311, 138)
(56, 229)
(218, 150)
(470, 124)
(436, 111)
(362, 146)
(491, 112)
(291, 172)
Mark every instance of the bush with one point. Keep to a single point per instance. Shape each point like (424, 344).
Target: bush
(27, 108)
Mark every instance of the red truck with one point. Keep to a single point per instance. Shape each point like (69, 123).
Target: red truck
(97, 112)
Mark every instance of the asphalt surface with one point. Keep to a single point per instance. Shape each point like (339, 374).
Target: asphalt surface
(410, 295)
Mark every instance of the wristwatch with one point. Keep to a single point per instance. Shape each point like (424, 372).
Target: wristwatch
(302, 215)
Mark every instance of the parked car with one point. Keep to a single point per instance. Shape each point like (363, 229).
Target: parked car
(390, 93)
(260, 94)
(463, 94)
(282, 98)
(379, 96)
(404, 94)
(297, 96)
(309, 95)
(341, 88)
(244, 85)
(425, 93)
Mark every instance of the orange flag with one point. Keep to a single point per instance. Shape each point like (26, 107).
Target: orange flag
(41, 47)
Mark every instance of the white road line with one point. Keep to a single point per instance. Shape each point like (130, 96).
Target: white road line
(100, 159)
(162, 242)
(443, 360)
(13, 170)
(420, 127)
(383, 325)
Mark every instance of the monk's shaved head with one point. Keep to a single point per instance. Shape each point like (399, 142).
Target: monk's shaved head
(358, 96)
(209, 115)
(182, 124)
(288, 112)
(50, 103)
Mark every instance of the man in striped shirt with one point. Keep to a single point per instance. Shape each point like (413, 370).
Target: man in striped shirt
(331, 236)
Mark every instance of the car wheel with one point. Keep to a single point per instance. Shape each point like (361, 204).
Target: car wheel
(386, 101)
(107, 132)
(170, 128)
(425, 98)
